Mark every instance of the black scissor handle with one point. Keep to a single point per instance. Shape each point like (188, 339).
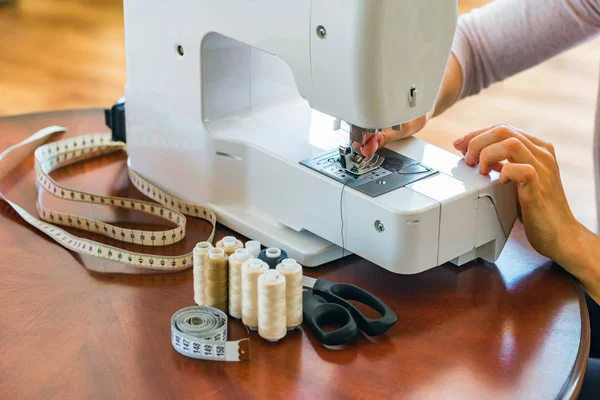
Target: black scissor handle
(317, 314)
(339, 293)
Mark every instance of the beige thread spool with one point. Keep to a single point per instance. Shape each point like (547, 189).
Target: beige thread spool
(253, 247)
(198, 256)
(236, 260)
(251, 270)
(215, 279)
(292, 271)
(229, 244)
(272, 309)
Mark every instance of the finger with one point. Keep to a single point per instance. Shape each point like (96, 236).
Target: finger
(368, 137)
(526, 178)
(511, 149)
(495, 135)
(498, 167)
(372, 144)
(535, 140)
(462, 143)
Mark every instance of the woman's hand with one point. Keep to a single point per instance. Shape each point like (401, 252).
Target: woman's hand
(378, 140)
(547, 218)
(447, 96)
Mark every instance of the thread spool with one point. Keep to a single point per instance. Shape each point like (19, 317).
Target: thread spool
(272, 309)
(253, 247)
(251, 270)
(236, 261)
(215, 279)
(198, 257)
(292, 272)
(272, 256)
(230, 244)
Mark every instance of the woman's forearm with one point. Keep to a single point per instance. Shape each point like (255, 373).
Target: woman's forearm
(581, 257)
(508, 36)
(450, 88)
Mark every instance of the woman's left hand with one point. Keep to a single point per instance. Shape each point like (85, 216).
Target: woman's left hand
(545, 213)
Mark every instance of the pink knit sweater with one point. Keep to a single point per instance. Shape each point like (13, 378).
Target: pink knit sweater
(509, 36)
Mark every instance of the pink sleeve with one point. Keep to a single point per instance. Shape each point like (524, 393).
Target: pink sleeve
(508, 36)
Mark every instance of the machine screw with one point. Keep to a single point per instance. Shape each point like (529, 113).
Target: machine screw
(379, 227)
(321, 32)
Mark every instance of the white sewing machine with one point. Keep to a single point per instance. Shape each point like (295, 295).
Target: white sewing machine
(233, 103)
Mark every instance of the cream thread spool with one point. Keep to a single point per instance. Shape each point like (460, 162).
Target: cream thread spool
(292, 271)
(272, 309)
(230, 244)
(253, 247)
(236, 261)
(215, 279)
(198, 257)
(251, 270)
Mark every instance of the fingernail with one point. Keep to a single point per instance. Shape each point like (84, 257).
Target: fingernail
(458, 141)
(467, 158)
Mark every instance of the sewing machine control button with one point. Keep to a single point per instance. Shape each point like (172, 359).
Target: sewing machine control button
(414, 169)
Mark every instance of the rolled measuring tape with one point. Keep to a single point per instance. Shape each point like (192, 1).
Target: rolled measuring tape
(201, 332)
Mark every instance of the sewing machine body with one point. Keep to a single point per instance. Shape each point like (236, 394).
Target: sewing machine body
(222, 99)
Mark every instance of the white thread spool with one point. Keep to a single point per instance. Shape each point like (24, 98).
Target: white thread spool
(251, 270)
(272, 309)
(230, 244)
(215, 279)
(292, 272)
(253, 247)
(236, 261)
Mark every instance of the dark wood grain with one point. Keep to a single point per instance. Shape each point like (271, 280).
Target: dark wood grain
(517, 329)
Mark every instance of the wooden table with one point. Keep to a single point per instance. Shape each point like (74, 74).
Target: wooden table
(516, 329)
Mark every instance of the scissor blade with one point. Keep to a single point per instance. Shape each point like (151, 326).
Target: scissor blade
(308, 282)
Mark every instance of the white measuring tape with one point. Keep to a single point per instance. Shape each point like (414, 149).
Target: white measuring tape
(198, 332)
(58, 154)
(201, 332)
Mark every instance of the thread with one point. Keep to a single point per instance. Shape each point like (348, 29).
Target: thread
(292, 272)
(236, 260)
(254, 247)
(215, 279)
(272, 256)
(230, 244)
(342, 222)
(271, 306)
(251, 270)
(198, 257)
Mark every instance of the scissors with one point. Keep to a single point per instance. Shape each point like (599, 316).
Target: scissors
(338, 310)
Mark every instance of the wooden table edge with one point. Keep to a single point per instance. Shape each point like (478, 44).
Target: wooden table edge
(574, 382)
(573, 385)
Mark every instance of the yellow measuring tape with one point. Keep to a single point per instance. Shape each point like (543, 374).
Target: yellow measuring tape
(198, 332)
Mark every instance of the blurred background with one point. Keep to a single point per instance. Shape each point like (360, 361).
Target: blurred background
(63, 54)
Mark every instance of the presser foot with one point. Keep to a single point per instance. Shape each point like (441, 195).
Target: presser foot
(356, 163)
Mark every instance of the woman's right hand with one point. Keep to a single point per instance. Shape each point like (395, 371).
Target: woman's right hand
(447, 96)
